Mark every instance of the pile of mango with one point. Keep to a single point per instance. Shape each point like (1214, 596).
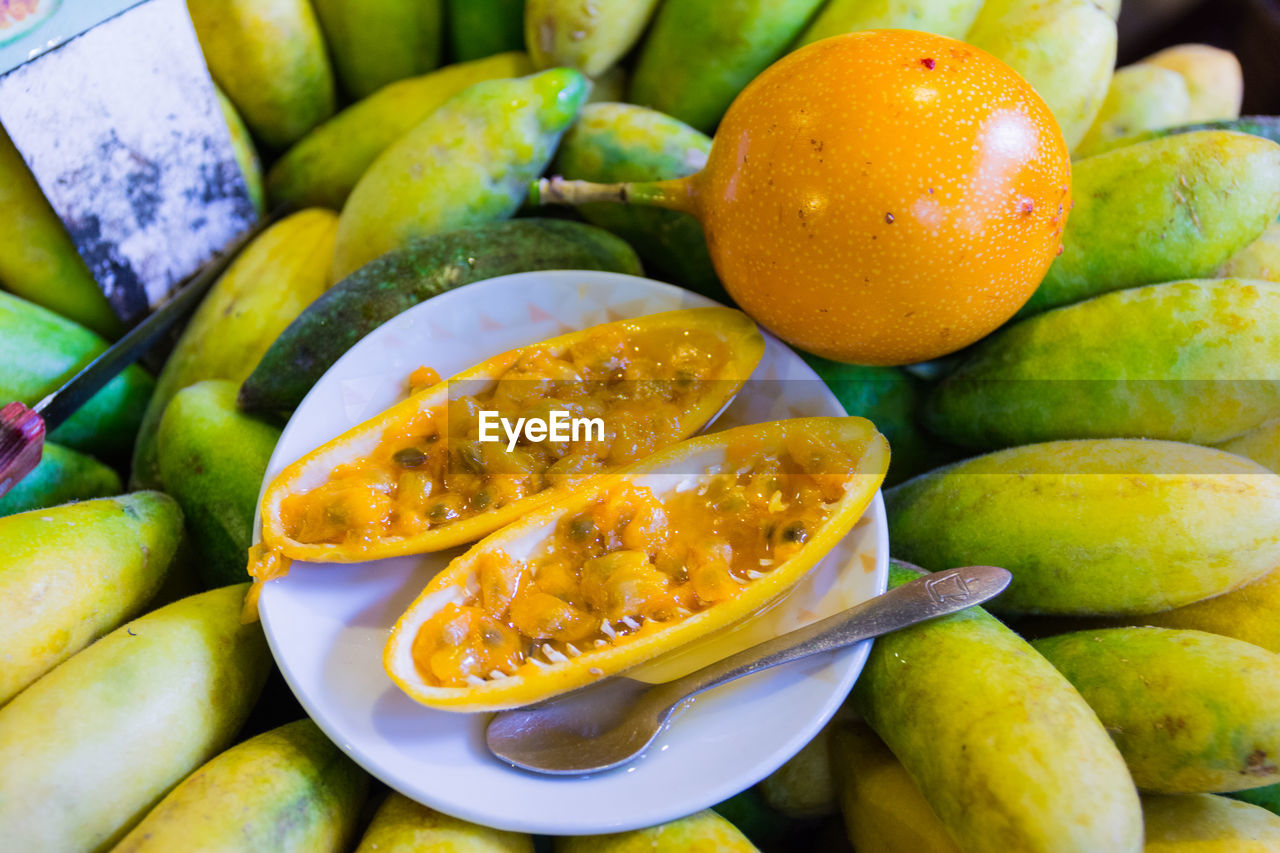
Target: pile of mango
(1115, 446)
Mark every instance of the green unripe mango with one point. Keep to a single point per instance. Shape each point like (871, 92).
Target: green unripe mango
(590, 37)
(469, 162)
(40, 351)
(614, 142)
(212, 460)
(89, 748)
(269, 57)
(704, 830)
(405, 277)
(1185, 361)
(1042, 775)
(38, 261)
(63, 475)
(288, 790)
(70, 574)
(1066, 50)
(1162, 210)
(945, 17)
(1260, 259)
(480, 28)
(373, 44)
(700, 54)
(324, 166)
(1140, 98)
(1191, 712)
(1207, 823)
(400, 824)
(1095, 527)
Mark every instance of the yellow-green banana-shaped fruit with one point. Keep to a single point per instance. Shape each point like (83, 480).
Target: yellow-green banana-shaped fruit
(270, 59)
(1207, 823)
(884, 811)
(38, 261)
(589, 36)
(373, 44)
(1214, 78)
(288, 790)
(1191, 712)
(928, 690)
(280, 273)
(945, 17)
(1096, 527)
(71, 573)
(704, 830)
(1140, 98)
(402, 826)
(1167, 209)
(323, 167)
(469, 162)
(90, 747)
(1066, 49)
(1183, 361)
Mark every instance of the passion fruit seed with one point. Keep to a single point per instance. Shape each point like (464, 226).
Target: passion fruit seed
(410, 457)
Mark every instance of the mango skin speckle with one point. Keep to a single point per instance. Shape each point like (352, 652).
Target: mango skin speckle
(1191, 712)
(885, 197)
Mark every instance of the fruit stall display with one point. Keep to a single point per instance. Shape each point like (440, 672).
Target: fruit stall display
(1045, 290)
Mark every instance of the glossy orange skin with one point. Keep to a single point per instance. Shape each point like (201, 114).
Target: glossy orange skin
(885, 197)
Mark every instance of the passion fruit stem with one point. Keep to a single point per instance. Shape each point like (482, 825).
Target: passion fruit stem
(676, 194)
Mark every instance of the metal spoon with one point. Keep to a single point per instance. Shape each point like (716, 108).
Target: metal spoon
(609, 724)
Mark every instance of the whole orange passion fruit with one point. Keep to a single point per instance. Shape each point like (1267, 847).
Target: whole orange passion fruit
(882, 197)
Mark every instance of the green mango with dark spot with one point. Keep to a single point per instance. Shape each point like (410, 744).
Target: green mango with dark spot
(623, 142)
(1191, 712)
(402, 278)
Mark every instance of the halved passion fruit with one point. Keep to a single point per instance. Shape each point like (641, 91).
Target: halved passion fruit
(418, 477)
(688, 541)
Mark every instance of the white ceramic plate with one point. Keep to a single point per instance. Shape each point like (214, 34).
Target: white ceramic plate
(327, 623)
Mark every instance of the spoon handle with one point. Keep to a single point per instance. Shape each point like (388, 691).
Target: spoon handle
(924, 598)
